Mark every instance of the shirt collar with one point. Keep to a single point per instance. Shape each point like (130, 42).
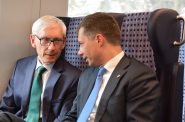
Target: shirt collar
(112, 63)
(48, 66)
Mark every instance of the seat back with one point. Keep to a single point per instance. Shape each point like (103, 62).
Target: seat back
(163, 30)
(135, 41)
(182, 59)
(142, 40)
(72, 45)
(134, 38)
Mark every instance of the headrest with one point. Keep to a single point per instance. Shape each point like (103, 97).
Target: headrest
(163, 29)
(135, 40)
(118, 17)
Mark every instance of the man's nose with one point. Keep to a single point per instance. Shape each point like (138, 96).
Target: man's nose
(79, 53)
(51, 45)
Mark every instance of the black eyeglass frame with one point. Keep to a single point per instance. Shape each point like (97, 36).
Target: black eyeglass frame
(45, 41)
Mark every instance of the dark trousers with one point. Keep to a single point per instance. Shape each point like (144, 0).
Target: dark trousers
(40, 120)
(9, 117)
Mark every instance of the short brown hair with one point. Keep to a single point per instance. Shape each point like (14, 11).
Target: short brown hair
(101, 23)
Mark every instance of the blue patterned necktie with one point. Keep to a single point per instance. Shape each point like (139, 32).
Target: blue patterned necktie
(35, 97)
(92, 98)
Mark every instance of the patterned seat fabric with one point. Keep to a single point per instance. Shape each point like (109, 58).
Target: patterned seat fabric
(72, 45)
(146, 36)
(134, 40)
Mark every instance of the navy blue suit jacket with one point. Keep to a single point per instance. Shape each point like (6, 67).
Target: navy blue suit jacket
(131, 94)
(58, 95)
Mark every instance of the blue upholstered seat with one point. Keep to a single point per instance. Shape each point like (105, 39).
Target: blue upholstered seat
(144, 39)
(134, 37)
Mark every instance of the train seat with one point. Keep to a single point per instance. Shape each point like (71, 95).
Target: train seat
(148, 37)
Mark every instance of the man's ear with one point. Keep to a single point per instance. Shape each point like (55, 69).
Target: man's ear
(100, 39)
(32, 41)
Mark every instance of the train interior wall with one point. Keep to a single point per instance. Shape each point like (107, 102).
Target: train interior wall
(16, 18)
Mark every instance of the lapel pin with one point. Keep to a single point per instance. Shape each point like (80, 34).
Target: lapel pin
(118, 76)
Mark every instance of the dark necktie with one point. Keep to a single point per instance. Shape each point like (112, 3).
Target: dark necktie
(35, 97)
(92, 98)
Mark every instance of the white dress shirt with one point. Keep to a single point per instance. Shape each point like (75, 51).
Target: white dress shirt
(109, 66)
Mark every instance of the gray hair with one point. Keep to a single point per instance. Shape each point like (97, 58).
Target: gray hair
(46, 21)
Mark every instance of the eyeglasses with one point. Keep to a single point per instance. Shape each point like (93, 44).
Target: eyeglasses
(45, 41)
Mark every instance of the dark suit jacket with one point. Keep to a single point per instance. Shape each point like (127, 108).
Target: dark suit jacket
(58, 95)
(131, 95)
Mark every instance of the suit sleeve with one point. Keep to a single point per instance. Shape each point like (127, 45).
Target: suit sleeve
(8, 103)
(143, 97)
(71, 116)
(68, 101)
(78, 104)
(9, 117)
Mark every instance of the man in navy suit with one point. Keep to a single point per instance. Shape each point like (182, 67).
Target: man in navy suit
(59, 82)
(129, 91)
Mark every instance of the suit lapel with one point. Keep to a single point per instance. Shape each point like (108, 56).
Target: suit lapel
(28, 83)
(52, 80)
(114, 80)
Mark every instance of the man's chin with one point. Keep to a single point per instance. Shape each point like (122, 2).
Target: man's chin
(89, 64)
(49, 62)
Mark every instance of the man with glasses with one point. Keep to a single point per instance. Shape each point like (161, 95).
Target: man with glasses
(48, 95)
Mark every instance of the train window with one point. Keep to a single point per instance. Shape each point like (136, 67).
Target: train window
(84, 7)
